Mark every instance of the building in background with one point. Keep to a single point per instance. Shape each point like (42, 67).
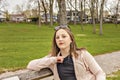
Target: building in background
(17, 17)
(2, 16)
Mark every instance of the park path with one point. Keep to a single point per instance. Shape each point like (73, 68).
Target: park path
(109, 62)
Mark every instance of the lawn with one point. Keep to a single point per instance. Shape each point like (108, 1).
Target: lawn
(20, 42)
(114, 76)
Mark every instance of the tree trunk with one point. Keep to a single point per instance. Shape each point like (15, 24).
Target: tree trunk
(101, 16)
(117, 9)
(44, 11)
(75, 18)
(51, 12)
(93, 16)
(85, 11)
(39, 16)
(62, 12)
(97, 16)
(81, 17)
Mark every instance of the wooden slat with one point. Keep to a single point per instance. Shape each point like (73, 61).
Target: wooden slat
(27, 74)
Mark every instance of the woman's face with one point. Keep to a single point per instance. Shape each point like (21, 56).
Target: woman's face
(63, 39)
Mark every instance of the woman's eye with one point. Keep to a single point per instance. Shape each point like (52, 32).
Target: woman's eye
(57, 37)
(63, 36)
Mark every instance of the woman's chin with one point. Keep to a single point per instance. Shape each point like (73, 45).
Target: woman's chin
(61, 47)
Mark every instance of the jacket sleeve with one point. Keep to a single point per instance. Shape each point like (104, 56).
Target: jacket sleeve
(93, 66)
(44, 62)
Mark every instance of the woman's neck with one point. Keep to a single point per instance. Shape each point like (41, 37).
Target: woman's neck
(65, 52)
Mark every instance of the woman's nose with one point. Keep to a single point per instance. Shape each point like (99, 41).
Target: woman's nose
(60, 38)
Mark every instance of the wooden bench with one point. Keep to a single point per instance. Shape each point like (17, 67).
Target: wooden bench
(26, 75)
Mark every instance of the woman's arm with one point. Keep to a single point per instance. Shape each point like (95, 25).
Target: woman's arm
(100, 75)
(93, 66)
(44, 62)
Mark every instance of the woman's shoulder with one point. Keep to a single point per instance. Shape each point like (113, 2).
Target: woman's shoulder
(84, 52)
(80, 50)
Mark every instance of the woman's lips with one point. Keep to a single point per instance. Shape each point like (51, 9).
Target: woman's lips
(60, 43)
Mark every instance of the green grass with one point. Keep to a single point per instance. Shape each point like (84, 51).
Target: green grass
(114, 76)
(20, 43)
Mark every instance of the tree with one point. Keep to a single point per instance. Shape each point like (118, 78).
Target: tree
(91, 5)
(117, 11)
(81, 16)
(3, 5)
(51, 12)
(45, 10)
(84, 8)
(28, 12)
(92, 9)
(7, 15)
(101, 16)
(97, 15)
(62, 12)
(39, 17)
(75, 18)
(18, 9)
(72, 5)
(35, 9)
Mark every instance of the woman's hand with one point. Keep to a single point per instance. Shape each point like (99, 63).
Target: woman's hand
(60, 59)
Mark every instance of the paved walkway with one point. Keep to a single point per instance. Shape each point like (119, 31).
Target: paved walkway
(109, 62)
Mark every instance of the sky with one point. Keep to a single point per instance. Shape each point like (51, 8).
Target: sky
(13, 3)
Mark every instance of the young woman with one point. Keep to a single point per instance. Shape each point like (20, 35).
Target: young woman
(67, 61)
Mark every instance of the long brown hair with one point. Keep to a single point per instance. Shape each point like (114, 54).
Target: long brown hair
(73, 46)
